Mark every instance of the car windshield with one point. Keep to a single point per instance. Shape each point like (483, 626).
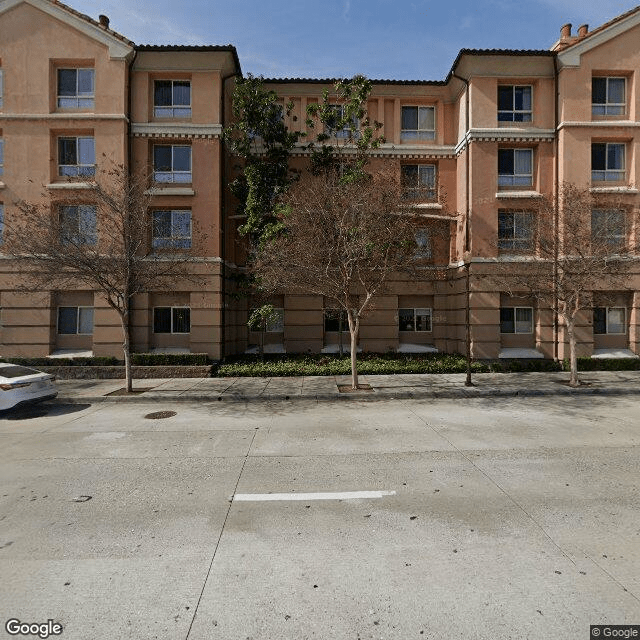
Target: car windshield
(16, 371)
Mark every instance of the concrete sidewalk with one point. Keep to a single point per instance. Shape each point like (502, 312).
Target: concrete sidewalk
(323, 388)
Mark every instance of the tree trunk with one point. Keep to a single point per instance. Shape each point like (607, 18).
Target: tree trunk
(573, 359)
(354, 329)
(126, 348)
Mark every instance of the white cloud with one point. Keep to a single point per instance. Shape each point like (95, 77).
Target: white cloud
(347, 9)
(145, 26)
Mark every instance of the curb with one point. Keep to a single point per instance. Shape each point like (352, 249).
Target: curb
(466, 393)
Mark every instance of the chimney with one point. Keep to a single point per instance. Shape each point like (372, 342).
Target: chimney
(565, 31)
(104, 21)
(583, 29)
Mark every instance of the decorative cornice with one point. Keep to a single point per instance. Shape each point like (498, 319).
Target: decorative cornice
(504, 135)
(508, 195)
(617, 190)
(175, 130)
(599, 123)
(570, 57)
(75, 186)
(170, 191)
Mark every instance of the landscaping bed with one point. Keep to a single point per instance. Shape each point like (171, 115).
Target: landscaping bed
(144, 365)
(368, 364)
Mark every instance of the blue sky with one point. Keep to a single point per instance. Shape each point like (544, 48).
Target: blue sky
(385, 39)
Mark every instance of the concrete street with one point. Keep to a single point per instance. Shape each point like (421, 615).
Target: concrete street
(496, 518)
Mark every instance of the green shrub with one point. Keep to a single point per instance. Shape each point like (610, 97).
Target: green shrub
(605, 364)
(137, 359)
(96, 361)
(169, 359)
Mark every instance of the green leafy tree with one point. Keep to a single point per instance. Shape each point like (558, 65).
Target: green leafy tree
(260, 139)
(344, 132)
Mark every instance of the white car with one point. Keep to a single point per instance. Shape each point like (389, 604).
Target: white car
(23, 385)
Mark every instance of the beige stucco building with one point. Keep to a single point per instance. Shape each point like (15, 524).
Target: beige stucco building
(480, 147)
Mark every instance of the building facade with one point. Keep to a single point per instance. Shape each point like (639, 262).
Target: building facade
(476, 152)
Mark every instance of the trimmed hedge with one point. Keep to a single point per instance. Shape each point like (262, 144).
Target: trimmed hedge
(605, 364)
(65, 362)
(169, 359)
(371, 364)
(137, 359)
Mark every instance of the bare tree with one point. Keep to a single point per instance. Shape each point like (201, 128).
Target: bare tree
(104, 237)
(342, 240)
(574, 246)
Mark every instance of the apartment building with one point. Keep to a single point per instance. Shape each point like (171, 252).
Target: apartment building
(476, 153)
(72, 93)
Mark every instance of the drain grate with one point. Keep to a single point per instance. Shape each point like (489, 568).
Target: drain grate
(158, 415)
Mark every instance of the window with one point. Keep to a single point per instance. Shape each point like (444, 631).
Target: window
(172, 229)
(78, 224)
(610, 320)
(516, 320)
(1, 220)
(418, 123)
(275, 324)
(171, 320)
(75, 320)
(1, 156)
(335, 120)
(423, 244)
(1, 88)
(418, 181)
(172, 99)
(609, 225)
(171, 163)
(414, 319)
(515, 167)
(608, 96)
(515, 232)
(607, 162)
(76, 156)
(514, 103)
(334, 319)
(76, 88)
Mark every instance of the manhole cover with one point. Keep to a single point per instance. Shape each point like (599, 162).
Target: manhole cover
(158, 415)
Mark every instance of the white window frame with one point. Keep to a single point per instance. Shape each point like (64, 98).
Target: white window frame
(607, 311)
(424, 248)
(170, 242)
(79, 309)
(170, 111)
(513, 112)
(609, 108)
(1, 89)
(345, 323)
(79, 169)
(427, 312)
(410, 135)
(76, 98)
(515, 321)
(418, 193)
(173, 176)
(1, 157)
(519, 220)
(274, 325)
(172, 332)
(613, 235)
(345, 132)
(610, 174)
(83, 236)
(516, 180)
